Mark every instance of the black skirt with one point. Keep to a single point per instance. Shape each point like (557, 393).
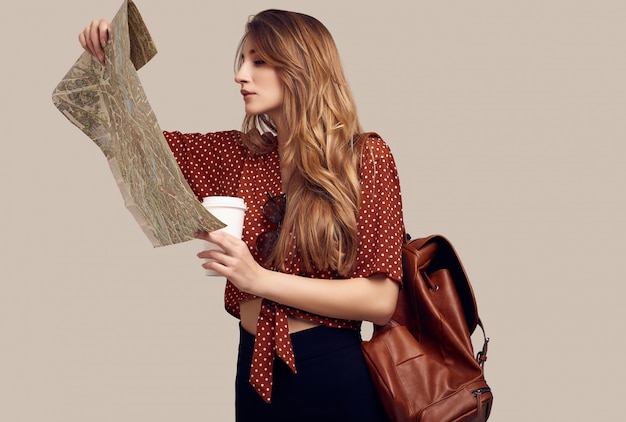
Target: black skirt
(332, 381)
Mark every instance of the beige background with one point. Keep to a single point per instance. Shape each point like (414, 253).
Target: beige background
(507, 123)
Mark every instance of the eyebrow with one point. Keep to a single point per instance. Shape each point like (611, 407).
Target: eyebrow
(250, 52)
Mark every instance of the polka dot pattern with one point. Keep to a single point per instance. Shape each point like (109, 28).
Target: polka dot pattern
(218, 164)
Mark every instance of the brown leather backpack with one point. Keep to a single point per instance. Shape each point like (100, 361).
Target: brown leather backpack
(422, 362)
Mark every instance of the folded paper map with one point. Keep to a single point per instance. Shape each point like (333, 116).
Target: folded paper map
(109, 105)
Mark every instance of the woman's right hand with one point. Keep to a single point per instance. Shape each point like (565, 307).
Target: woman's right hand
(94, 37)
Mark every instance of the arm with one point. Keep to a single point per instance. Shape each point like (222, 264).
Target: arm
(369, 299)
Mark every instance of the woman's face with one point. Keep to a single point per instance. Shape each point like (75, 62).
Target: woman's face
(261, 88)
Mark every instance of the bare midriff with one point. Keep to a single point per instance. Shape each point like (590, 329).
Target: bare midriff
(249, 313)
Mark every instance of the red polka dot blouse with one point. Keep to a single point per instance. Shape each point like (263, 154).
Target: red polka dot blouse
(218, 164)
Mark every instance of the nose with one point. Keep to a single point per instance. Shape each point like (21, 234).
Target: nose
(242, 75)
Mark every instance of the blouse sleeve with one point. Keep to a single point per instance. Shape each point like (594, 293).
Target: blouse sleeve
(381, 222)
(211, 162)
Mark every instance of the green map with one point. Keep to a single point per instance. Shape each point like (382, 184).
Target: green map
(109, 105)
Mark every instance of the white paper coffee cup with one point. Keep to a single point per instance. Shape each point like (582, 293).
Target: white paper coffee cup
(231, 211)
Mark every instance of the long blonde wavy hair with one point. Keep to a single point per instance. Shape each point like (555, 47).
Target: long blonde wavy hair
(323, 192)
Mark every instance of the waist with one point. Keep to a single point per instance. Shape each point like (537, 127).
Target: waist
(308, 343)
(249, 314)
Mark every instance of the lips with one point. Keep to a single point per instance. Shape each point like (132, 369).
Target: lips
(246, 94)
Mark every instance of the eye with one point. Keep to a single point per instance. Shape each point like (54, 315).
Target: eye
(259, 62)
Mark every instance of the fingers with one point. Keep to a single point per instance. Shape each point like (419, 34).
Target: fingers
(94, 37)
(232, 260)
(201, 234)
(229, 248)
(222, 239)
(103, 31)
(215, 259)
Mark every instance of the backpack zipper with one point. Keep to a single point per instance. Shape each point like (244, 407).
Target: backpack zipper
(478, 394)
(475, 393)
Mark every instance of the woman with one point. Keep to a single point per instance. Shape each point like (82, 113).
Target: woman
(323, 231)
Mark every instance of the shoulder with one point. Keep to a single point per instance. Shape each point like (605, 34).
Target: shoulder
(229, 136)
(375, 144)
(225, 143)
(374, 149)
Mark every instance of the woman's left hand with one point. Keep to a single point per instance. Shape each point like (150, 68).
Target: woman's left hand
(234, 261)
(372, 299)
